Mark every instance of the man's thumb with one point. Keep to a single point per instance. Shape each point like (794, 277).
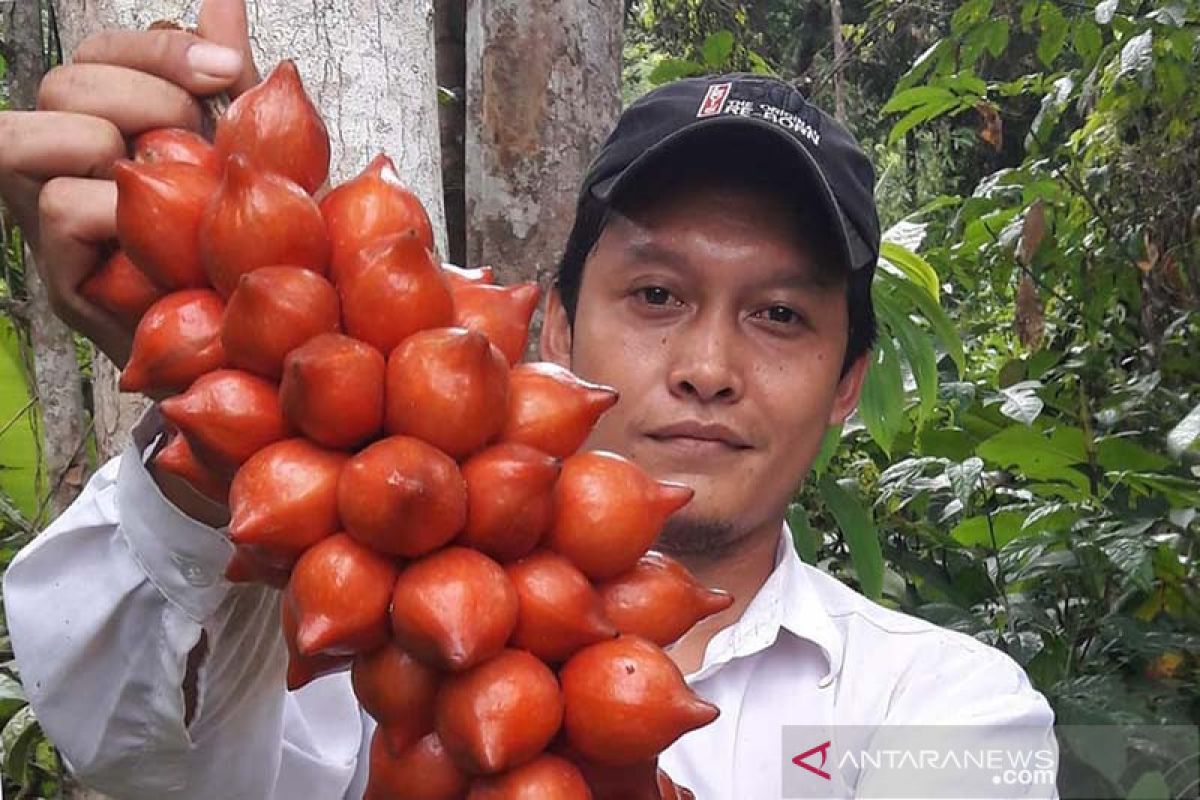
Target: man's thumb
(224, 22)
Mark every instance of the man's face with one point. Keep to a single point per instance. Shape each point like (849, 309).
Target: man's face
(704, 311)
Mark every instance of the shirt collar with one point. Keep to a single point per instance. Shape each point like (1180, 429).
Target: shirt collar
(788, 600)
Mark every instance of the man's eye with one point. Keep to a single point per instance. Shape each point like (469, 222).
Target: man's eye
(782, 314)
(655, 295)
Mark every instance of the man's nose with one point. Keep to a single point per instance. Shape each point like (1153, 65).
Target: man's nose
(704, 361)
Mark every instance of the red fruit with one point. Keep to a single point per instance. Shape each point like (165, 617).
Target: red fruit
(659, 599)
(176, 145)
(500, 714)
(368, 207)
(449, 387)
(398, 692)
(626, 702)
(551, 409)
(340, 592)
(259, 219)
(178, 459)
(393, 289)
(159, 208)
(454, 608)
(284, 499)
(560, 612)
(273, 311)
(301, 668)
(424, 771)
(501, 313)
(228, 415)
(245, 567)
(461, 275)
(177, 341)
(510, 500)
(632, 782)
(547, 777)
(277, 129)
(608, 512)
(332, 390)
(121, 289)
(402, 497)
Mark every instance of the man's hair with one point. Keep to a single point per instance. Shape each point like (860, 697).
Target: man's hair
(750, 168)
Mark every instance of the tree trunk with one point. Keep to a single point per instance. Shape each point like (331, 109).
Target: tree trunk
(451, 27)
(368, 65)
(56, 378)
(839, 55)
(543, 90)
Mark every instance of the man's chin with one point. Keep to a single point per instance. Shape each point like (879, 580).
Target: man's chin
(694, 535)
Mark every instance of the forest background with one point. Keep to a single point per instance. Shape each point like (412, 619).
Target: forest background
(1024, 466)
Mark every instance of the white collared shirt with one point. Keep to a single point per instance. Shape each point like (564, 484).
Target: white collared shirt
(104, 607)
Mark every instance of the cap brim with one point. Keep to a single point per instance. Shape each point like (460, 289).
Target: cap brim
(855, 253)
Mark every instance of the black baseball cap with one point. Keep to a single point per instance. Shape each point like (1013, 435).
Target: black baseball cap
(817, 148)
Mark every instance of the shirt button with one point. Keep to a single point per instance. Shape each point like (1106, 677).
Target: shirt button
(192, 572)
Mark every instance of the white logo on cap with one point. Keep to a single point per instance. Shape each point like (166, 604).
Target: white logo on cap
(714, 100)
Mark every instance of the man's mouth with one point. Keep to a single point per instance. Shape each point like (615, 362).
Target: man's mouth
(697, 435)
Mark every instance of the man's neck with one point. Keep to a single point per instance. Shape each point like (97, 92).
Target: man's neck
(742, 570)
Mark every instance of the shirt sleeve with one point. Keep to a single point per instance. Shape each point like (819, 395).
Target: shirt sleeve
(103, 609)
(985, 731)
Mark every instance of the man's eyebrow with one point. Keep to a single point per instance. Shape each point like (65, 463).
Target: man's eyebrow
(638, 251)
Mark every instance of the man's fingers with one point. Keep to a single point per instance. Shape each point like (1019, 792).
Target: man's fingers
(35, 147)
(133, 101)
(77, 219)
(224, 22)
(184, 59)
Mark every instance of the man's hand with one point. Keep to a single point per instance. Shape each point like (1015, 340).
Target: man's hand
(55, 162)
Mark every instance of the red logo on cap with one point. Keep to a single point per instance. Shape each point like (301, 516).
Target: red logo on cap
(714, 100)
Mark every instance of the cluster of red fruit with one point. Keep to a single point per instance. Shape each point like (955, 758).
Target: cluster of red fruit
(414, 491)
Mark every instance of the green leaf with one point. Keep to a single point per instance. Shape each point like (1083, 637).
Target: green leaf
(1120, 453)
(912, 265)
(859, 531)
(804, 537)
(1086, 39)
(881, 403)
(1021, 402)
(917, 96)
(18, 423)
(829, 446)
(907, 295)
(12, 697)
(1053, 33)
(1150, 786)
(758, 64)
(969, 14)
(1035, 455)
(923, 63)
(17, 739)
(996, 37)
(964, 479)
(922, 114)
(975, 531)
(717, 48)
(671, 69)
(918, 351)
(1185, 433)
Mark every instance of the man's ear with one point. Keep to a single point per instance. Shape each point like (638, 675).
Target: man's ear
(849, 388)
(555, 342)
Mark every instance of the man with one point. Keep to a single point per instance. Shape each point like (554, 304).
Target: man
(718, 275)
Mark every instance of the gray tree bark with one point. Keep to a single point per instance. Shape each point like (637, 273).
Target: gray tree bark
(543, 90)
(56, 379)
(839, 56)
(452, 75)
(369, 67)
